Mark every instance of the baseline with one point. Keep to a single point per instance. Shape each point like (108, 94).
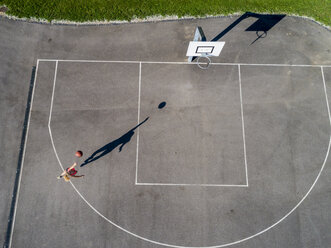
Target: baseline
(164, 62)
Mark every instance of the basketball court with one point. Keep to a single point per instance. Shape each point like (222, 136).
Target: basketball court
(193, 152)
(227, 139)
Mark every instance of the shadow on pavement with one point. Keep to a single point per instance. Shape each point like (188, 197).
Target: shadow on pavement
(123, 140)
(263, 24)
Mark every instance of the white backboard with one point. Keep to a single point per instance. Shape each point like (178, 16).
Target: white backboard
(198, 48)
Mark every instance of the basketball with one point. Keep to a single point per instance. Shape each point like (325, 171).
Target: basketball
(79, 154)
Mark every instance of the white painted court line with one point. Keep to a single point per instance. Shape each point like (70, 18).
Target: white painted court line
(179, 62)
(243, 125)
(277, 65)
(196, 184)
(50, 117)
(326, 95)
(137, 152)
(116, 61)
(216, 246)
(52, 99)
(23, 157)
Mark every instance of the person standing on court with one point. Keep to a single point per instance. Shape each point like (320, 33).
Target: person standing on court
(71, 171)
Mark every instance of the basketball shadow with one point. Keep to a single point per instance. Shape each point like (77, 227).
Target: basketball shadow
(122, 141)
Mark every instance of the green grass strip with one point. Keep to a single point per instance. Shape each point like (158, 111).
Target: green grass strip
(126, 10)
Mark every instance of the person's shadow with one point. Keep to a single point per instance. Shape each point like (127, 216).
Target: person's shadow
(123, 140)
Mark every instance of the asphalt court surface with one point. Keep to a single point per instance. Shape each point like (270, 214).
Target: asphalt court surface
(230, 125)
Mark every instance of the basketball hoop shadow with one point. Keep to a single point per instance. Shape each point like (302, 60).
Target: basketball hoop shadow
(263, 24)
